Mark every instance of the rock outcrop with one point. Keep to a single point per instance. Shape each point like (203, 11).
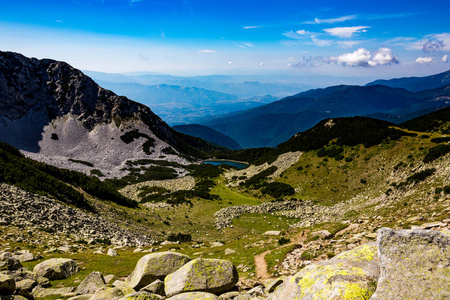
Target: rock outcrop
(415, 264)
(204, 275)
(56, 268)
(155, 266)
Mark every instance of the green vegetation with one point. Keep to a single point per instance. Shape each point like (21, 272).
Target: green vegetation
(168, 150)
(436, 152)
(282, 241)
(96, 172)
(86, 163)
(132, 135)
(256, 180)
(141, 174)
(23, 172)
(205, 170)
(179, 237)
(277, 189)
(441, 139)
(54, 136)
(416, 177)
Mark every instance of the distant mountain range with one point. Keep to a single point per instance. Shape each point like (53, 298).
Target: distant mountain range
(416, 84)
(274, 123)
(180, 105)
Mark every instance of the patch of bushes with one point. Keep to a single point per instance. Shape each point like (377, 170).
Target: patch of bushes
(132, 135)
(415, 178)
(441, 139)
(54, 136)
(278, 189)
(436, 152)
(283, 241)
(96, 172)
(86, 163)
(179, 237)
(136, 175)
(169, 150)
(257, 179)
(149, 143)
(330, 151)
(205, 170)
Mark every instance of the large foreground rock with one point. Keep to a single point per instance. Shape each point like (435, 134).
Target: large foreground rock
(415, 264)
(203, 275)
(91, 283)
(7, 285)
(349, 275)
(195, 296)
(56, 268)
(155, 266)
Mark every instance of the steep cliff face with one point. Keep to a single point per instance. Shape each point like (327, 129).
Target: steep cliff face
(53, 112)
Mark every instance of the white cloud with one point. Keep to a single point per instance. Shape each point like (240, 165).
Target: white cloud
(321, 43)
(302, 32)
(331, 21)
(261, 64)
(445, 58)
(347, 44)
(251, 27)
(245, 45)
(358, 58)
(424, 60)
(299, 34)
(345, 32)
(230, 62)
(136, 1)
(206, 51)
(364, 58)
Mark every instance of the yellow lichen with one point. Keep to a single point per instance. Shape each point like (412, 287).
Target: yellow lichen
(362, 253)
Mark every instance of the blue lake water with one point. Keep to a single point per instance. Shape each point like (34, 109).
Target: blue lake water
(225, 162)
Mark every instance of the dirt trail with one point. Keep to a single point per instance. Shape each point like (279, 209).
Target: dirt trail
(260, 261)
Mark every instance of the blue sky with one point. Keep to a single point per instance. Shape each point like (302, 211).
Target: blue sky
(336, 38)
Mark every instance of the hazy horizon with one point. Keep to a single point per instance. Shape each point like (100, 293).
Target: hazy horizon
(192, 37)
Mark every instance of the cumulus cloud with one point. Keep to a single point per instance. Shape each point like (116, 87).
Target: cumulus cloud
(424, 60)
(358, 58)
(445, 58)
(331, 21)
(261, 64)
(431, 46)
(207, 51)
(345, 32)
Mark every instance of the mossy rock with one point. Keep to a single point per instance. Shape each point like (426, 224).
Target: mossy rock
(91, 283)
(7, 285)
(415, 264)
(155, 266)
(56, 268)
(107, 293)
(350, 275)
(214, 276)
(142, 296)
(195, 296)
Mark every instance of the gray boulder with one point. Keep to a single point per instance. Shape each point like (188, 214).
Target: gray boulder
(195, 296)
(141, 295)
(107, 293)
(91, 284)
(205, 275)
(414, 264)
(23, 255)
(56, 268)
(7, 285)
(39, 292)
(349, 275)
(156, 287)
(10, 264)
(155, 266)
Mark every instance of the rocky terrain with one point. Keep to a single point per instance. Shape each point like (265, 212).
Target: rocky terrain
(393, 267)
(32, 218)
(56, 114)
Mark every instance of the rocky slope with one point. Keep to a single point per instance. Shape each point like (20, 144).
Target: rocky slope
(401, 264)
(53, 112)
